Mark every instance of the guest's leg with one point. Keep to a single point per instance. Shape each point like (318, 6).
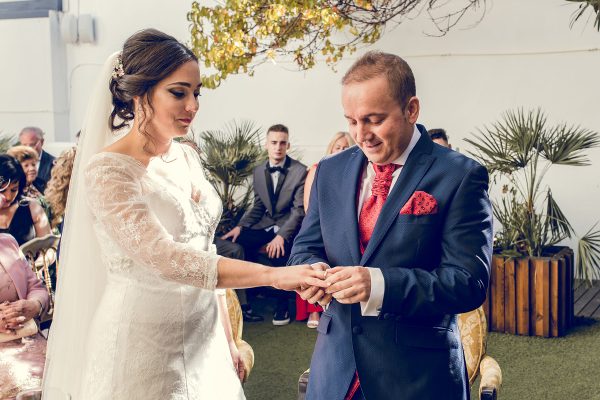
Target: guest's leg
(314, 316)
(252, 240)
(282, 312)
(301, 308)
(230, 249)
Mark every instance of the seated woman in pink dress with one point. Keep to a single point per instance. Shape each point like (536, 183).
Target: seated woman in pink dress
(22, 297)
(304, 310)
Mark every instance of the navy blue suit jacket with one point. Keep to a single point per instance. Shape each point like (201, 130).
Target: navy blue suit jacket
(434, 266)
(44, 173)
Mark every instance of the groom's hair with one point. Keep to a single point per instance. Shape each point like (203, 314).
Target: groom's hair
(401, 80)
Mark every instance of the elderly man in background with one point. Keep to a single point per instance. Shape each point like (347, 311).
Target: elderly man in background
(33, 137)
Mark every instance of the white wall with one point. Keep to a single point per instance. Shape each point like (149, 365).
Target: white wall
(25, 75)
(522, 54)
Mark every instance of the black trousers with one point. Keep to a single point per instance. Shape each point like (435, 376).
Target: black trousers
(252, 240)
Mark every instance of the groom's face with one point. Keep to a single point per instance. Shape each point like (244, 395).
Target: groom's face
(381, 127)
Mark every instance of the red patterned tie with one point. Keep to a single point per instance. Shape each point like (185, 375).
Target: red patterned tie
(374, 203)
(366, 223)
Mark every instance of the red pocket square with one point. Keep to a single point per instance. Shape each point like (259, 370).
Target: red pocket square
(420, 203)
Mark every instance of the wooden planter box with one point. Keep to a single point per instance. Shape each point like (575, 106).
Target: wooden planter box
(531, 296)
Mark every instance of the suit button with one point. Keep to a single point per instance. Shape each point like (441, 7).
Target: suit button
(357, 330)
(387, 315)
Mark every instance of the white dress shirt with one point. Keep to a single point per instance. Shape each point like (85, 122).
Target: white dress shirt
(372, 307)
(275, 175)
(275, 178)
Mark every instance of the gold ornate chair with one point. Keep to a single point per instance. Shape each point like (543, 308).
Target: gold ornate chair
(41, 254)
(473, 332)
(237, 325)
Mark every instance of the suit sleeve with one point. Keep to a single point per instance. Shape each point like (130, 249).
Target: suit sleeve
(308, 246)
(292, 223)
(460, 282)
(254, 214)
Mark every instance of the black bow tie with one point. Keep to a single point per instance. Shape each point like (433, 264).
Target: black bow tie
(276, 169)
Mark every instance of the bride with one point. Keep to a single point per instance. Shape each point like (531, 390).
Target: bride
(137, 313)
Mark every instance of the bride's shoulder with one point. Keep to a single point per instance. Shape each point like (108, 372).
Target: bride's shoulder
(114, 159)
(111, 164)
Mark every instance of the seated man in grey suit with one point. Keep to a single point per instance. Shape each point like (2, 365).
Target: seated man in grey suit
(269, 227)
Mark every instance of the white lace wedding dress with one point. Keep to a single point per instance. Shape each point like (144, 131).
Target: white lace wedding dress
(157, 333)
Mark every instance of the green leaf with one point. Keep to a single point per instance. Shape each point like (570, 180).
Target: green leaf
(588, 257)
(230, 156)
(521, 148)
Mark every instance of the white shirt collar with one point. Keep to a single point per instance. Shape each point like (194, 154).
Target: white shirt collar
(404, 156)
(281, 164)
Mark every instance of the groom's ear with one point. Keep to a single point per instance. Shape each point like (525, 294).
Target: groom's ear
(412, 110)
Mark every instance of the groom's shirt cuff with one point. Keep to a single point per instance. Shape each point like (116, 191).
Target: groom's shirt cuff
(372, 307)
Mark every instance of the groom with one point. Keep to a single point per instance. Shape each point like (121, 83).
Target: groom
(406, 227)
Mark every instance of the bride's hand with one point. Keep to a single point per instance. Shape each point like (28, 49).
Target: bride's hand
(238, 361)
(297, 276)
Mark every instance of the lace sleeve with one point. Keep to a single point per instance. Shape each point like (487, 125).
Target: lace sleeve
(115, 199)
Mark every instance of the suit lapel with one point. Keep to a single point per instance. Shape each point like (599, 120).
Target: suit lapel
(266, 189)
(417, 165)
(351, 180)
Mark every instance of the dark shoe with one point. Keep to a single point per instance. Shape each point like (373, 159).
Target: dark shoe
(281, 318)
(249, 316)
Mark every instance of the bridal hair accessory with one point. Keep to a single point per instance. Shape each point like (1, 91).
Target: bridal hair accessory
(2, 185)
(118, 68)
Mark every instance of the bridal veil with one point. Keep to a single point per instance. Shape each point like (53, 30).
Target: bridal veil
(81, 277)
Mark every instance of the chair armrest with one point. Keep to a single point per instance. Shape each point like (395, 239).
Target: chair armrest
(247, 355)
(303, 384)
(491, 378)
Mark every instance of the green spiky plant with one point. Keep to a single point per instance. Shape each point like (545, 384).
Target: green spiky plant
(6, 142)
(584, 6)
(520, 149)
(230, 155)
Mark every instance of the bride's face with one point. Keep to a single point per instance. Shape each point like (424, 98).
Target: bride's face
(174, 103)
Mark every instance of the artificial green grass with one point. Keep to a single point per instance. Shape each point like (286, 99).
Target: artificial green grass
(532, 368)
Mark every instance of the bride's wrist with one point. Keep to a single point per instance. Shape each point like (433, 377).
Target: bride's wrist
(271, 276)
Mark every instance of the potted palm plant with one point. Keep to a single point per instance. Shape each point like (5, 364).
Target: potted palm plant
(6, 142)
(531, 287)
(584, 7)
(230, 155)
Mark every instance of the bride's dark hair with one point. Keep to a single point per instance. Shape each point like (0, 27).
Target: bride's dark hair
(148, 57)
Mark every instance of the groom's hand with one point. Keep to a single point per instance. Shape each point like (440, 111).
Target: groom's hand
(349, 285)
(314, 294)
